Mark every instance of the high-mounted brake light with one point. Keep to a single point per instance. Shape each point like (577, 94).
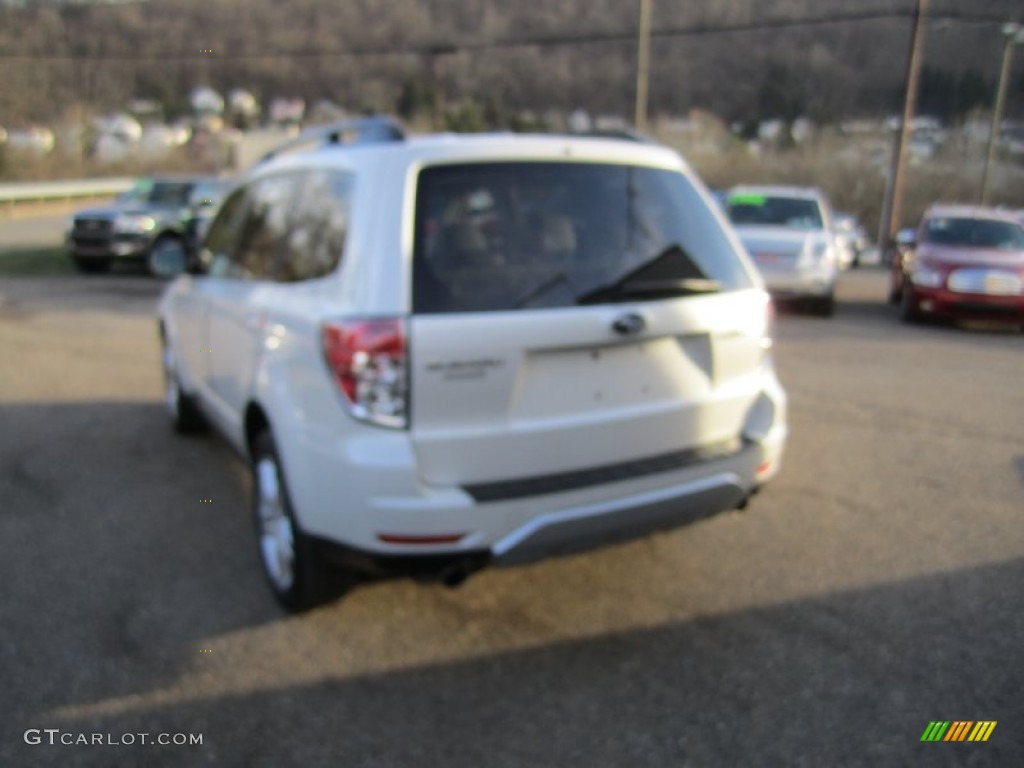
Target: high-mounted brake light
(368, 361)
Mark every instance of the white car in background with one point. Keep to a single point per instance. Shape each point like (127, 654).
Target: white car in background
(788, 232)
(442, 352)
(851, 240)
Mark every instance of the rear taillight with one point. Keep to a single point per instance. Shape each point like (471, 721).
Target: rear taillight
(368, 361)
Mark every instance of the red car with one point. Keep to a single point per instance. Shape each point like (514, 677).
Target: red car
(966, 262)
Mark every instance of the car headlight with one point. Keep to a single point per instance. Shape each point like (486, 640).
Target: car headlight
(817, 254)
(135, 224)
(925, 276)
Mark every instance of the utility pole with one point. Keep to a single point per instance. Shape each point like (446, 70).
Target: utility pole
(892, 213)
(1014, 34)
(643, 62)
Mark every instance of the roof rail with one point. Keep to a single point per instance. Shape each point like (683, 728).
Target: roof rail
(626, 134)
(358, 130)
(622, 134)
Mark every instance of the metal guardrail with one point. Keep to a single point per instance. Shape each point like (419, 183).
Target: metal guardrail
(42, 191)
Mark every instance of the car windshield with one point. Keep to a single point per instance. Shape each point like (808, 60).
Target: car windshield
(167, 193)
(207, 193)
(501, 236)
(974, 233)
(771, 210)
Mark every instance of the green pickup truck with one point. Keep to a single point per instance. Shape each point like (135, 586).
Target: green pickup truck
(153, 213)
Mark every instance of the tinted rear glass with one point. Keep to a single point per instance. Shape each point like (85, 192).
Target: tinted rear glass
(501, 236)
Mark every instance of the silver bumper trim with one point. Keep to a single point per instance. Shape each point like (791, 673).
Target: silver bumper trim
(584, 527)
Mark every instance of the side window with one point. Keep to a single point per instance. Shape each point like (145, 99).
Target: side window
(318, 226)
(217, 255)
(265, 226)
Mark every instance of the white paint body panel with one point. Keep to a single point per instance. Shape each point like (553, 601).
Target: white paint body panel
(554, 391)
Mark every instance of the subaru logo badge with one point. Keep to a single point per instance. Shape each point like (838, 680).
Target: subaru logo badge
(628, 324)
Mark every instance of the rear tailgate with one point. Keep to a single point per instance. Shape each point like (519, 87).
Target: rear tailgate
(512, 395)
(574, 316)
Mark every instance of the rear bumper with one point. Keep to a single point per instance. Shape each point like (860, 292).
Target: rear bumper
(967, 306)
(519, 530)
(575, 529)
(585, 527)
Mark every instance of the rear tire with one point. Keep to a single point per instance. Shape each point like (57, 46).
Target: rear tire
(293, 563)
(92, 266)
(909, 313)
(823, 307)
(163, 241)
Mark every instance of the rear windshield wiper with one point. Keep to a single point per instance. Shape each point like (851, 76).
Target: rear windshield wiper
(645, 280)
(538, 291)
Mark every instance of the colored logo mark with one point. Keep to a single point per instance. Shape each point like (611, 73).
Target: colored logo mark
(958, 730)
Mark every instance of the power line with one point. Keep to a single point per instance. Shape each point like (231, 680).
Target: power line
(539, 41)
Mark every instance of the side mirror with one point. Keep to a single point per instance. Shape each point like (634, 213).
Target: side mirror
(906, 238)
(168, 259)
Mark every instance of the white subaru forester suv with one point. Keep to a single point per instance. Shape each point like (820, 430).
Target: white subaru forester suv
(446, 351)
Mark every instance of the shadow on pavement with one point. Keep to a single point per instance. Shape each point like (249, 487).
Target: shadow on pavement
(849, 679)
(116, 572)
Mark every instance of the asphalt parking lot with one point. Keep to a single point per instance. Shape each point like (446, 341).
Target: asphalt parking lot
(875, 587)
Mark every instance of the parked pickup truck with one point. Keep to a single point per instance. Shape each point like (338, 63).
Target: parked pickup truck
(154, 213)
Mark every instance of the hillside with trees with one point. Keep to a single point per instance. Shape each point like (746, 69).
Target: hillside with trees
(739, 59)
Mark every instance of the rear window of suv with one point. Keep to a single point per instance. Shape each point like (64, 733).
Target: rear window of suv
(518, 235)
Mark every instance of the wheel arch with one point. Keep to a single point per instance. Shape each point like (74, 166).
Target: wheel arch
(168, 232)
(255, 422)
